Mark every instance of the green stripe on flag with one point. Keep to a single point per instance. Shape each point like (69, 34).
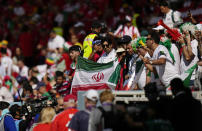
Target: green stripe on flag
(190, 71)
(113, 80)
(89, 65)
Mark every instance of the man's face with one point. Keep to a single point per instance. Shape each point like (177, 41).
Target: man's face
(107, 47)
(98, 48)
(163, 9)
(73, 55)
(130, 49)
(149, 43)
(42, 89)
(141, 51)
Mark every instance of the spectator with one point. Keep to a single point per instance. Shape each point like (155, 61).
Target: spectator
(6, 62)
(23, 68)
(97, 49)
(79, 121)
(5, 94)
(7, 121)
(45, 118)
(110, 53)
(172, 18)
(60, 106)
(87, 43)
(42, 92)
(62, 120)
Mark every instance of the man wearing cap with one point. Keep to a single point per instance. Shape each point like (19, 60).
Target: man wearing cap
(97, 49)
(41, 87)
(110, 53)
(80, 120)
(62, 120)
(87, 43)
(171, 18)
(127, 29)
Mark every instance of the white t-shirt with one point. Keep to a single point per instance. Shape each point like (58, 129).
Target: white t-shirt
(24, 71)
(166, 72)
(185, 65)
(5, 95)
(7, 62)
(105, 58)
(56, 42)
(176, 55)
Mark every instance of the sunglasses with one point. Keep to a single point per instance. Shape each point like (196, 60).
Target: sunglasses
(105, 46)
(148, 39)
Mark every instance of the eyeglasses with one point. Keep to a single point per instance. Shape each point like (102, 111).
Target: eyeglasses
(148, 39)
(105, 46)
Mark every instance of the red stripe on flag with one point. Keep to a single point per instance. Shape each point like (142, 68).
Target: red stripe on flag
(86, 87)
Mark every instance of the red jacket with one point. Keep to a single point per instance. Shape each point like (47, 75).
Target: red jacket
(62, 120)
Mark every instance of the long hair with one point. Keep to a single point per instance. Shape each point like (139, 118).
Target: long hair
(46, 115)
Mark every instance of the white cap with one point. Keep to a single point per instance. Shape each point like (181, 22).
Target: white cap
(120, 50)
(158, 28)
(92, 95)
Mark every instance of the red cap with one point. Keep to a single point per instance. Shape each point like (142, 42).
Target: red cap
(70, 97)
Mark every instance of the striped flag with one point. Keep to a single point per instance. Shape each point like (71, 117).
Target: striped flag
(91, 75)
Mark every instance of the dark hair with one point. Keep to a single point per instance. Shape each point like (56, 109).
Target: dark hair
(75, 48)
(108, 39)
(34, 80)
(3, 51)
(155, 36)
(59, 74)
(96, 25)
(13, 109)
(163, 3)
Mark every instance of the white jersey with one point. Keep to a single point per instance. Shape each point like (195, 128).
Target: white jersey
(172, 22)
(176, 55)
(185, 65)
(105, 58)
(56, 42)
(166, 72)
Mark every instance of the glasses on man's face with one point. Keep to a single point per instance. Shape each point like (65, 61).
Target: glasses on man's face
(148, 39)
(105, 46)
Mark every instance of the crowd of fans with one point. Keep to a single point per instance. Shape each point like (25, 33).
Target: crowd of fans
(40, 45)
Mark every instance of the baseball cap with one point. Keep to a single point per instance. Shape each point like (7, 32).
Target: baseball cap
(158, 28)
(120, 50)
(39, 85)
(97, 42)
(70, 98)
(92, 95)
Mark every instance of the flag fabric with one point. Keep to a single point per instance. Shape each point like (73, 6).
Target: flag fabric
(92, 75)
(189, 73)
(135, 75)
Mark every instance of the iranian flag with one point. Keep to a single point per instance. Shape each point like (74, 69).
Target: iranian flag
(91, 75)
